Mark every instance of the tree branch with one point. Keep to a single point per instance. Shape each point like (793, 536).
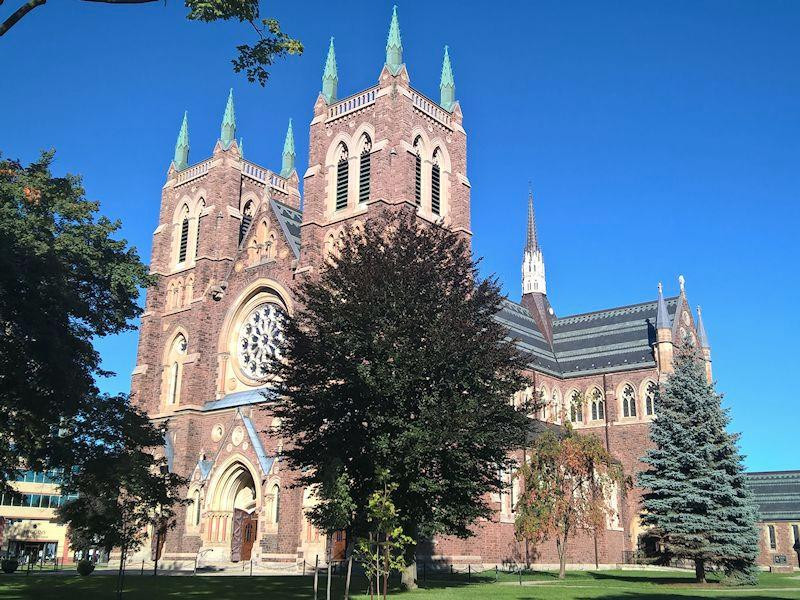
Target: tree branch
(18, 14)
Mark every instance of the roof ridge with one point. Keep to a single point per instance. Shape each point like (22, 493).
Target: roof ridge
(671, 299)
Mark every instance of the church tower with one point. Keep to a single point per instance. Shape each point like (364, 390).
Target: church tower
(380, 149)
(534, 284)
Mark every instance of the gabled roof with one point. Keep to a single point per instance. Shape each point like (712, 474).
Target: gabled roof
(264, 461)
(236, 399)
(777, 494)
(290, 220)
(614, 339)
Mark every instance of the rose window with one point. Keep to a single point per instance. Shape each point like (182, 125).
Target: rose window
(259, 341)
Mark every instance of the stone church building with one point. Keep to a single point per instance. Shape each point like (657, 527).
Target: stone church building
(233, 239)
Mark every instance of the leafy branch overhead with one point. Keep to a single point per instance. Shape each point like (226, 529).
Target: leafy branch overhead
(253, 58)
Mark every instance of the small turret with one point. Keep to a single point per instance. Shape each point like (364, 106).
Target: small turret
(663, 345)
(394, 45)
(447, 85)
(228, 130)
(534, 285)
(705, 347)
(330, 77)
(287, 163)
(181, 159)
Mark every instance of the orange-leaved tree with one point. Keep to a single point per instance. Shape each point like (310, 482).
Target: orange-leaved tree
(567, 486)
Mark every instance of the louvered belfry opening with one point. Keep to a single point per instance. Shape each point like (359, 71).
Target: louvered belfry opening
(417, 173)
(184, 240)
(365, 165)
(247, 219)
(341, 179)
(436, 206)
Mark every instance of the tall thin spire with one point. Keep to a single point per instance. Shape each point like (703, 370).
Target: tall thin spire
(287, 165)
(394, 45)
(701, 330)
(447, 85)
(228, 129)
(531, 244)
(330, 77)
(533, 272)
(662, 315)
(181, 159)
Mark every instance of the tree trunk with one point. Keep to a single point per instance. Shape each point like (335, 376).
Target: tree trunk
(347, 581)
(562, 558)
(700, 570)
(121, 573)
(408, 580)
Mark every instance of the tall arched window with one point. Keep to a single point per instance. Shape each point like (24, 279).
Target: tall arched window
(598, 405)
(276, 503)
(184, 241)
(555, 409)
(342, 168)
(247, 219)
(542, 401)
(576, 407)
(628, 401)
(177, 353)
(436, 199)
(196, 506)
(200, 206)
(650, 399)
(418, 170)
(365, 165)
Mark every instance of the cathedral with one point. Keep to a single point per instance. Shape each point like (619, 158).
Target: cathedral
(235, 237)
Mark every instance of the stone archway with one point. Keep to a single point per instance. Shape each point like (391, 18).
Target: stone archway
(231, 521)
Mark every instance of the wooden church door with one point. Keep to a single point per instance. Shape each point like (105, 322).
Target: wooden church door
(243, 535)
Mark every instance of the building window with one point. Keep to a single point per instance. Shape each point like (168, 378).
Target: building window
(177, 353)
(555, 410)
(771, 535)
(796, 535)
(436, 203)
(628, 401)
(365, 165)
(247, 219)
(200, 207)
(576, 407)
(341, 177)
(196, 506)
(650, 399)
(598, 405)
(276, 503)
(184, 235)
(418, 170)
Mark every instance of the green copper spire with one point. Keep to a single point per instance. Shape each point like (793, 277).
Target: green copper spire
(394, 45)
(181, 160)
(447, 85)
(228, 133)
(330, 79)
(287, 165)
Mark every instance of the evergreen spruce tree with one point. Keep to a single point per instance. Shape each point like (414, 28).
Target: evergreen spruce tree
(696, 499)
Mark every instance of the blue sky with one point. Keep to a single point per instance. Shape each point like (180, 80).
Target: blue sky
(662, 138)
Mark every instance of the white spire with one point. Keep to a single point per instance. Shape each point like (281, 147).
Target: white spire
(533, 278)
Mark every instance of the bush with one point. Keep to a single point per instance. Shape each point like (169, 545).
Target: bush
(9, 565)
(85, 567)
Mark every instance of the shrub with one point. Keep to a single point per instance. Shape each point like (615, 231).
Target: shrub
(9, 565)
(85, 567)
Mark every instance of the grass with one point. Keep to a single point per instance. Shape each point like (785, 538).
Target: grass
(607, 585)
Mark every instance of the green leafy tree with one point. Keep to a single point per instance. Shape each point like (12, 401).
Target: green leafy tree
(696, 500)
(566, 486)
(124, 491)
(64, 280)
(253, 59)
(383, 552)
(395, 363)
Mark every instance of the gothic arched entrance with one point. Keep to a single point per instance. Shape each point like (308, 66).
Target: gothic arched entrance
(233, 518)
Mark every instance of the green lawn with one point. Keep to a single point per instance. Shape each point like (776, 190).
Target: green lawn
(609, 585)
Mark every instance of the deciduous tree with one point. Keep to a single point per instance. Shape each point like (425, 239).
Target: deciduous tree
(567, 485)
(395, 363)
(253, 59)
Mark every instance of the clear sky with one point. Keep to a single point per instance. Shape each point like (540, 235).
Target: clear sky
(662, 138)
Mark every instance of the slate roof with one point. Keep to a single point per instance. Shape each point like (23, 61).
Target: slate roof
(290, 220)
(245, 398)
(616, 339)
(777, 494)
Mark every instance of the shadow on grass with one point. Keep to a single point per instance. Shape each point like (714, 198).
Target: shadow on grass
(653, 577)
